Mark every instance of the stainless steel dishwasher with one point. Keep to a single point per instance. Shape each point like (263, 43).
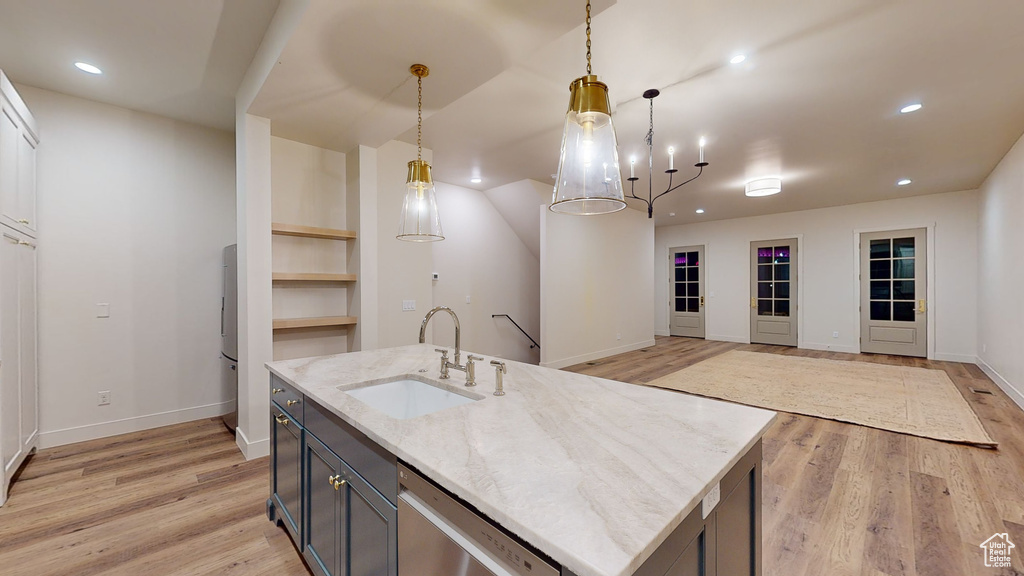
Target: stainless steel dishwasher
(439, 536)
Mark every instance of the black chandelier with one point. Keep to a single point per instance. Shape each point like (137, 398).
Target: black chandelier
(650, 95)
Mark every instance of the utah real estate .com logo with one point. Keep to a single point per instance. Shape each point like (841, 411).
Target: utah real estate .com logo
(997, 550)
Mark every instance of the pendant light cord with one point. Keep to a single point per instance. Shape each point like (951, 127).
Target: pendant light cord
(589, 72)
(419, 118)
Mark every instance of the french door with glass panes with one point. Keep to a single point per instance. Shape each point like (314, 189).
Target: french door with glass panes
(773, 284)
(892, 293)
(687, 289)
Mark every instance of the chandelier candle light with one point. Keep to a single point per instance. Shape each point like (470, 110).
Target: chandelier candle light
(650, 95)
(420, 221)
(588, 180)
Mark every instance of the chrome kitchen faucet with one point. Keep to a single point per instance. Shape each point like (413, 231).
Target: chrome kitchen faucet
(470, 367)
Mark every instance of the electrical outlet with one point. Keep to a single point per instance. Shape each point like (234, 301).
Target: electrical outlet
(103, 310)
(835, 334)
(618, 336)
(103, 398)
(710, 500)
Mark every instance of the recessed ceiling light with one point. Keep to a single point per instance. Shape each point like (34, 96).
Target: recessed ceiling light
(700, 210)
(904, 182)
(764, 187)
(671, 213)
(476, 180)
(911, 108)
(88, 68)
(737, 58)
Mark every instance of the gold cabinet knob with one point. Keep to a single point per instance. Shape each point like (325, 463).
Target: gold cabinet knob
(277, 390)
(292, 402)
(336, 481)
(281, 419)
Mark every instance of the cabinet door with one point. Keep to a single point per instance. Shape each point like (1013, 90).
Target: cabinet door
(28, 366)
(10, 355)
(10, 133)
(325, 509)
(287, 467)
(27, 180)
(372, 525)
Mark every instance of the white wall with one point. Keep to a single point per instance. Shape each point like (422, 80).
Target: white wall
(828, 273)
(596, 282)
(1000, 241)
(482, 258)
(403, 268)
(308, 186)
(134, 210)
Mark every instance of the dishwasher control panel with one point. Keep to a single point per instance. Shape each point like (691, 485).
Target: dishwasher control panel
(435, 527)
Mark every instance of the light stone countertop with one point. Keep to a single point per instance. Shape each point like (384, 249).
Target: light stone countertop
(595, 473)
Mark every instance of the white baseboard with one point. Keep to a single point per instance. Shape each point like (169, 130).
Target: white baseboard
(51, 438)
(1012, 391)
(829, 347)
(662, 333)
(721, 338)
(251, 450)
(962, 358)
(562, 363)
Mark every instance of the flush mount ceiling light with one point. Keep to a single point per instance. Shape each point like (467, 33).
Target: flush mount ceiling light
(420, 221)
(588, 180)
(84, 67)
(699, 210)
(911, 108)
(764, 187)
(904, 182)
(650, 95)
(737, 59)
(476, 180)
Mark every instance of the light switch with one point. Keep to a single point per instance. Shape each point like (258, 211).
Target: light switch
(408, 305)
(103, 310)
(711, 500)
(467, 300)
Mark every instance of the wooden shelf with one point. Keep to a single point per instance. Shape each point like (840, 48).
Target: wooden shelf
(311, 277)
(318, 322)
(310, 231)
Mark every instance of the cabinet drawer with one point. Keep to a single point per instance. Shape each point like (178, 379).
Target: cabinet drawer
(287, 397)
(378, 466)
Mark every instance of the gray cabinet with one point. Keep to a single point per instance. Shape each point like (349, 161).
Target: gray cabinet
(350, 527)
(286, 470)
(332, 488)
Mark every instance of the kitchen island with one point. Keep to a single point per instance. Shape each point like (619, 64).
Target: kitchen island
(604, 478)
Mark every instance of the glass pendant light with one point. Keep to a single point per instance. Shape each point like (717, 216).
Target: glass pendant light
(420, 221)
(588, 169)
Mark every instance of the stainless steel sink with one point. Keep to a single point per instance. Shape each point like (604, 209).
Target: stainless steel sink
(408, 396)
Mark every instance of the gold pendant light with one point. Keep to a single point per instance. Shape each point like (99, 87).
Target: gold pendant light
(588, 169)
(420, 221)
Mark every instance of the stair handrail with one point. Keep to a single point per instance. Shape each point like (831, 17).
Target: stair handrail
(520, 329)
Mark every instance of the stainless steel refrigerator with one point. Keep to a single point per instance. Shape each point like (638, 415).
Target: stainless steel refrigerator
(229, 331)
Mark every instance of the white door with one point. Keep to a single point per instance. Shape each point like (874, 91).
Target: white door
(892, 293)
(28, 366)
(10, 377)
(773, 284)
(10, 134)
(686, 285)
(27, 180)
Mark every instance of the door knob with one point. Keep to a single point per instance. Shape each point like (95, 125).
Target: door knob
(753, 302)
(701, 300)
(920, 307)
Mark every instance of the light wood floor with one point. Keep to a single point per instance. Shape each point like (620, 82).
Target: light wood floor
(839, 499)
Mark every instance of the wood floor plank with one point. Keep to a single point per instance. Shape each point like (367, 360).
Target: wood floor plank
(936, 538)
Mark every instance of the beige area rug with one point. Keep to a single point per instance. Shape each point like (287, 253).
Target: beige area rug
(915, 401)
